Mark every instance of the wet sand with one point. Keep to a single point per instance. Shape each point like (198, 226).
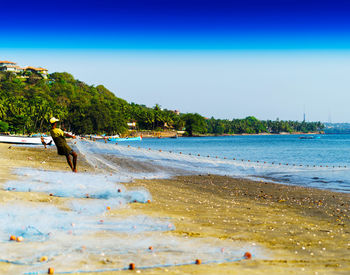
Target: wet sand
(304, 231)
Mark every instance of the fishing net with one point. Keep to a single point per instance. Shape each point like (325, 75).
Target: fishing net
(81, 241)
(151, 163)
(85, 236)
(82, 185)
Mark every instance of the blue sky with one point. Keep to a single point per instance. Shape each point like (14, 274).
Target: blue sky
(225, 59)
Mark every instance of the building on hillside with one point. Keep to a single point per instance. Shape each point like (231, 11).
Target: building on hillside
(8, 66)
(43, 72)
(7, 63)
(132, 125)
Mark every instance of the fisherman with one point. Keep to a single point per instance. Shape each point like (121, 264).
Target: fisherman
(63, 149)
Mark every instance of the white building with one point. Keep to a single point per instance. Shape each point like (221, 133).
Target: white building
(8, 66)
(42, 71)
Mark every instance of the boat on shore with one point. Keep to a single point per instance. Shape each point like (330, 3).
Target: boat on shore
(25, 140)
(125, 139)
(115, 138)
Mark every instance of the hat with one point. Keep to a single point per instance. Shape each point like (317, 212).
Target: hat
(53, 120)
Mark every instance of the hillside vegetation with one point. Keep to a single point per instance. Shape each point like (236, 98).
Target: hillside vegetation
(27, 105)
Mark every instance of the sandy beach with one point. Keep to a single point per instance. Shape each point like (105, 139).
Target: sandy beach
(302, 230)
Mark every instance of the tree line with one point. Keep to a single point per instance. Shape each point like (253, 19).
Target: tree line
(252, 125)
(26, 106)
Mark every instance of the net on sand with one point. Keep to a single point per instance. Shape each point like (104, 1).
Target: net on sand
(82, 185)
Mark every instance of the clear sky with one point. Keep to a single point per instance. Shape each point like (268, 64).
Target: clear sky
(227, 59)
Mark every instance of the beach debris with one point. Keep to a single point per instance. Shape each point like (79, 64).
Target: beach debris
(12, 238)
(198, 261)
(247, 256)
(19, 239)
(43, 259)
(150, 248)
(131, 266)
(51, 270)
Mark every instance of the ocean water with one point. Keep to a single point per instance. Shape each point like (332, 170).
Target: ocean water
(322, 162)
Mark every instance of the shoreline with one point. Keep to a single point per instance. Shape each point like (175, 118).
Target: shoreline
(172, 134)
(298, 226)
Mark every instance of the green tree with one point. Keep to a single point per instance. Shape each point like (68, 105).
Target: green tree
(194, 123)
(3, 126)
(85, 109)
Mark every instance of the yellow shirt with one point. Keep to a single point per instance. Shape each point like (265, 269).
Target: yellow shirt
(58, 137)
(57, 132)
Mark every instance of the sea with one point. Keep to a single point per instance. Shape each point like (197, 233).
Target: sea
(320, 161)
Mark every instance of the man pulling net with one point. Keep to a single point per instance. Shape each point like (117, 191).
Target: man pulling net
(63, 148)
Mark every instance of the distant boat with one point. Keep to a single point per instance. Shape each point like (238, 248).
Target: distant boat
(309, 137)
(25, 140)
